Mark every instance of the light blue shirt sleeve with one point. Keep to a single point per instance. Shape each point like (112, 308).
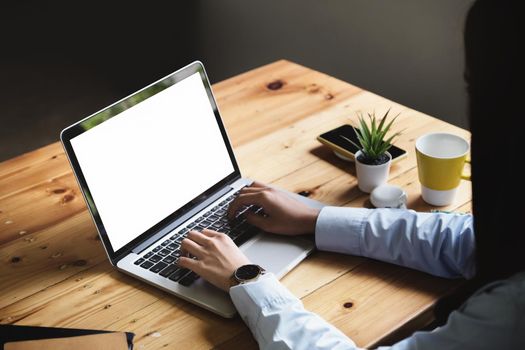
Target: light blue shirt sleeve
(440, 244)
(278, 319)
(437, 243)
(493, 318)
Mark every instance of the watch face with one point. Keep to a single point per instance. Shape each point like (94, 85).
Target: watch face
(247, 272)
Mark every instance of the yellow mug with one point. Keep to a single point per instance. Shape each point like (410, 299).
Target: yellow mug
(441, 158)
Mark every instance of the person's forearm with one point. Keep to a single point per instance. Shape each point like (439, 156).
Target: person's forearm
(491, 318)
(440, 244)
(278, 319)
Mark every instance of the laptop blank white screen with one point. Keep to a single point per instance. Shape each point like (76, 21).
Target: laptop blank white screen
(151, 159)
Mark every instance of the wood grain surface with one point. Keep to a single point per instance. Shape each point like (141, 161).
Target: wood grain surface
(54, 272)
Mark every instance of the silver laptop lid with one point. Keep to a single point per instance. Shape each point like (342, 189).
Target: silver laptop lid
(150, 158)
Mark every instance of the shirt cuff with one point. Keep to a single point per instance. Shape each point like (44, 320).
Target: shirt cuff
(340, 229)
(252, 298)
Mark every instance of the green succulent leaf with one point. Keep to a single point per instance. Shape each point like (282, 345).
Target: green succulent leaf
(352, 142)
(373, 123)
(382, 123)
(372, 136)
(365, 132)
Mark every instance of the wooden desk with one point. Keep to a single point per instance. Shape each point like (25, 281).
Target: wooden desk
(54, 271)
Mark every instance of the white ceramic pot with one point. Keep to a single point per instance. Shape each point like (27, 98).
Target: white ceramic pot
(371, 176)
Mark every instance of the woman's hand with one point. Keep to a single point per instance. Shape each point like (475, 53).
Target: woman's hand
(217, 257)
(282, 213)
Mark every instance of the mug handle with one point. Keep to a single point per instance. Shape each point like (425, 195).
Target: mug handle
(466, 176)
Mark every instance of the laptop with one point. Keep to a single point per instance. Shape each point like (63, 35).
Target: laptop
(157, 164)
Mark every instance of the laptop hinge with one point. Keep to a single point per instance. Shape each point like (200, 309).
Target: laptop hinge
(148, 242)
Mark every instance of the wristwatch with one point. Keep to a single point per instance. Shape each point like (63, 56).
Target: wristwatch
(246, 273)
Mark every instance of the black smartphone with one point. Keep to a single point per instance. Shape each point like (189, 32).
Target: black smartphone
(346, 150)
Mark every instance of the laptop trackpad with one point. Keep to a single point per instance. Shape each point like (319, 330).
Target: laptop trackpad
(276, 253)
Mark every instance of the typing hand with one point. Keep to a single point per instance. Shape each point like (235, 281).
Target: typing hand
(217, 257)
(282, 213)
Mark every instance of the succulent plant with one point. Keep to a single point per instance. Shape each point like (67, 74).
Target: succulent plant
(372, 138)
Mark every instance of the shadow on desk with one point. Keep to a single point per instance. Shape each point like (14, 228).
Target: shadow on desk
(325, 154)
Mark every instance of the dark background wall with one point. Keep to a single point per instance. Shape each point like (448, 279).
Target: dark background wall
(63, 60)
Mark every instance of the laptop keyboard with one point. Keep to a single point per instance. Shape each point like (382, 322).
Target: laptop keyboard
(164, 257)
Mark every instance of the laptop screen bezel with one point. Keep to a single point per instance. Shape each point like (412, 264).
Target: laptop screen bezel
(107, 113)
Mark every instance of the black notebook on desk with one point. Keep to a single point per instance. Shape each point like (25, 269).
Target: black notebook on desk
(13, 333)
